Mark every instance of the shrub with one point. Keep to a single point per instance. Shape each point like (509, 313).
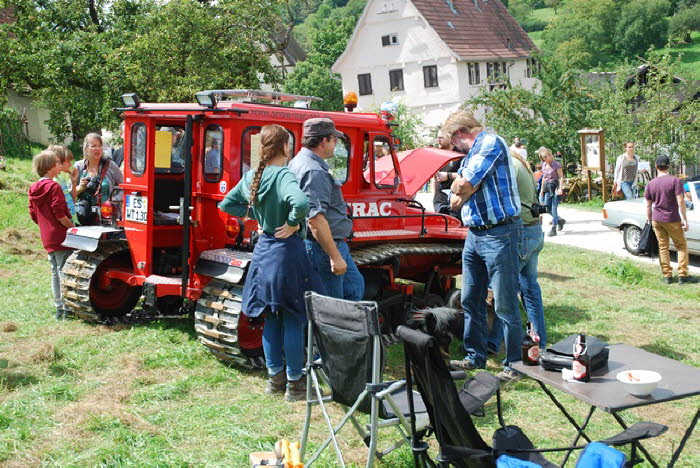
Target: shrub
(533, 24)
(12, 142)
(624, 271)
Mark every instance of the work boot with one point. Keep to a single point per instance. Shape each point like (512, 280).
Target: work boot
(668, 280)
(561, 223)
(296, 390)
(276, 383)
(552, 232)
(687, 280)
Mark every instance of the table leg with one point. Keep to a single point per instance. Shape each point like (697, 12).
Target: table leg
(579, 434)
(685, 438)
(564, 412)
(637, 444)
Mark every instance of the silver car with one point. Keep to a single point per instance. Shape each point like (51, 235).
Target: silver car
(629, 216)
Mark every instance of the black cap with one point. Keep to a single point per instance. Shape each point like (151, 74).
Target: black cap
(320, 127)
(662, 161)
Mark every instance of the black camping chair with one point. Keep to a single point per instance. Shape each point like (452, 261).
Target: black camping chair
(348, 338)
(460, 443)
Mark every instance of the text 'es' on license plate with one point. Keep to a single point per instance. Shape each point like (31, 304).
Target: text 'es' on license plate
(136, 209)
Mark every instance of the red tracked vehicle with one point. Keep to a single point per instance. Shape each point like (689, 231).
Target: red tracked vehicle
(163, 240)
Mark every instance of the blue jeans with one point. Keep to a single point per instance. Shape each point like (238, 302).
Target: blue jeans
(491, 257)
(283, 340)
(551, 200)
(530, 245)
(628, 190)
(350, 286)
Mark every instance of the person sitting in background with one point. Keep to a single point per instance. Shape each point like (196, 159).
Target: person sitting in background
(48, 209)
(68, 177)
(550, 191)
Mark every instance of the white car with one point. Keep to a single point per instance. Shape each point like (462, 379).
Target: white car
(629, 216)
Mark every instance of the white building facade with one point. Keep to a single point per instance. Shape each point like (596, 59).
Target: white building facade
(408, 50)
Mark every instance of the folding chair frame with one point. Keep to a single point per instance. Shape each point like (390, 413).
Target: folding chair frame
(376, 391)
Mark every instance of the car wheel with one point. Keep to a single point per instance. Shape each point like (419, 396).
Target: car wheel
(631, 235)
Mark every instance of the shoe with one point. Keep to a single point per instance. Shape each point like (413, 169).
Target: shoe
(296, 390)
(668, 280)
(553, 232)
(687, 280)
(464, 365)
(68, 313)
(509, 375)
(561, 223)
(276, 383)
(60, 314)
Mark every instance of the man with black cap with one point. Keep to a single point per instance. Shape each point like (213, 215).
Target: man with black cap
(329, 223)
(666, 211)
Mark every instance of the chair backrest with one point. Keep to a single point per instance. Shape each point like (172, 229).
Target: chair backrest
(452, 423)
(348, 337)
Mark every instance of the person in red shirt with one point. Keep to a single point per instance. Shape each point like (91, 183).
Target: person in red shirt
(666, 211)
(48, 208)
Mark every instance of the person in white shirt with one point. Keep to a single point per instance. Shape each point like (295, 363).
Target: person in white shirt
(518, 147)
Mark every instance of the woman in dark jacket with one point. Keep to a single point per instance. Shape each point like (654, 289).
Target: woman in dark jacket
(280, 271)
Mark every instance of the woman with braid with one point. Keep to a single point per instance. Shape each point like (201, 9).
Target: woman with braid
(280, 271)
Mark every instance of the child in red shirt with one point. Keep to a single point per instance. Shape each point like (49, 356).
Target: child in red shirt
(48, 208)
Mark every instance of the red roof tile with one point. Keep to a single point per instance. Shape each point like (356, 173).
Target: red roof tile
(477, 29)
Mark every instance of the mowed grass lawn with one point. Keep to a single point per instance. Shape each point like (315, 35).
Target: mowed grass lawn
(78, 394)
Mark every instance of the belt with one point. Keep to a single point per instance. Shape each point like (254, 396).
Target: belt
(534, 223)
(500, 223)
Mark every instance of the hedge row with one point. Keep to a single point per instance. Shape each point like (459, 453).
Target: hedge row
(12, 141)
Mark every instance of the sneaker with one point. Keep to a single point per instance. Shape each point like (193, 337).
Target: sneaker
(464, 365)
(561, 223)
(276, 383)
(296, 390)
(553, 232)
(509, 375)
(687, 280)
(668, 280)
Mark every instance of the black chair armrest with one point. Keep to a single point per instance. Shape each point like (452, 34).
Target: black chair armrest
(477, 391)
(637, 431)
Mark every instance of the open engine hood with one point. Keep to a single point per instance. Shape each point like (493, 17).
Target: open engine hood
(419, 165)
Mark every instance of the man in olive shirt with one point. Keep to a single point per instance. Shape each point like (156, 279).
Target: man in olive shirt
(529, 247)
(328, 220)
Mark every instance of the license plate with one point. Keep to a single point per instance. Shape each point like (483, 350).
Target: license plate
(136, 209)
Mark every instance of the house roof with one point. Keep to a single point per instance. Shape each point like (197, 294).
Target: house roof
(476, 29)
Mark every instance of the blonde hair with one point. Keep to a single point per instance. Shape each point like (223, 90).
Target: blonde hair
(44, 162)
(461, 121)
(86, 142)
(543, 152)
(63, 153)
(273, 139)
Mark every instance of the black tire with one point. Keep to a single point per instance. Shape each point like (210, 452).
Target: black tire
(87, 295)
(223, 329)
(631, 235)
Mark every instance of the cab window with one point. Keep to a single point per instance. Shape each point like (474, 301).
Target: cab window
(211, 161)
(170, 151)
(137, 159)
(338, 164)
(250, 148)
(385, 175)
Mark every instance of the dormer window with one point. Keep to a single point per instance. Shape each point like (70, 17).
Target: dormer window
(390, 40)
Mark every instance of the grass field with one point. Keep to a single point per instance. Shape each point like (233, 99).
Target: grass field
(75, 394)
(690, 60)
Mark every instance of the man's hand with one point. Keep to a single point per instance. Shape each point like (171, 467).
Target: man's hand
(441, 176)
(338, 266)
(285, 231)
(684, 224)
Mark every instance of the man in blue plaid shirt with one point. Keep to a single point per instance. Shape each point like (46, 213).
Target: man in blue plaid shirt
(487, 195)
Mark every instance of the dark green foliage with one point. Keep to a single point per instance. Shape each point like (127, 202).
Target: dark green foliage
(532, 24)
(12, 141)
(685, 21)
(642, 24)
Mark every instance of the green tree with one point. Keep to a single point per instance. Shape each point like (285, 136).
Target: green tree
(641, 24)
(684, 22)
(554, 4)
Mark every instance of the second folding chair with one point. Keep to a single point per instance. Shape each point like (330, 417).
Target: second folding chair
(347, 336)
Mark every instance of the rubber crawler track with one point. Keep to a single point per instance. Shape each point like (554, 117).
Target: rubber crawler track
(379, 253)
(216, 323)
(77, 273)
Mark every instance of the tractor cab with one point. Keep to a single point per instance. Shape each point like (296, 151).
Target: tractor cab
(167, 243)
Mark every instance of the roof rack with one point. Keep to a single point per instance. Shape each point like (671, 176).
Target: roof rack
(255, 95)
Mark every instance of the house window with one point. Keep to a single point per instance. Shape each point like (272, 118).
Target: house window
(473, 70)
(496, 75)
(390, 40)
(396, 80)
(533, 67)
(365, 84)
(430, 76)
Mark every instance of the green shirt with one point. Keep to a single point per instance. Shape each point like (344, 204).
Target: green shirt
(527, 190)
(279, 200)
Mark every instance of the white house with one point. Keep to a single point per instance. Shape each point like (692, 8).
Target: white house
(434, 54)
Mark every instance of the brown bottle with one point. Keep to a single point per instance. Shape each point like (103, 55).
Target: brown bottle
(581, 364)
(530, 347)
